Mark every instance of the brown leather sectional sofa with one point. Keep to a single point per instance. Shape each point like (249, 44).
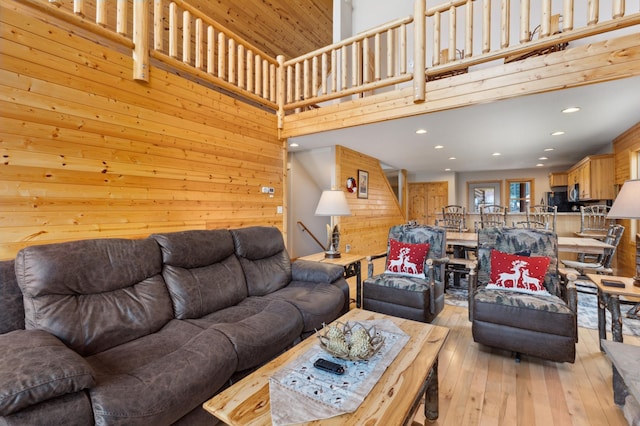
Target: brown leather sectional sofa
(118, 331)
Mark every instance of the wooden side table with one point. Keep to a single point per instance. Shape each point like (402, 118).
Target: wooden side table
(609, 298)
(351, 264)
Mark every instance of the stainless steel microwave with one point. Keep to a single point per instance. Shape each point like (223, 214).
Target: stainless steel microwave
(573, 193)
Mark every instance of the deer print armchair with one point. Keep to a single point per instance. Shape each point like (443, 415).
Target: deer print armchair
(411, 285)
(518, 302)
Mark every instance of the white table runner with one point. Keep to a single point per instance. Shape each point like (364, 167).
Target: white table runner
(300, 393)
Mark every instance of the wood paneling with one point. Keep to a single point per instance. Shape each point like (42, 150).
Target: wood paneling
(367, 229)
(625, 148)
(88, 152)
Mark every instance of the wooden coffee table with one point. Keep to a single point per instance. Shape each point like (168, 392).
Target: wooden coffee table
(412, 376)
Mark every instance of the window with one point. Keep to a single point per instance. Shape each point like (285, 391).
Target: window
(520, 193)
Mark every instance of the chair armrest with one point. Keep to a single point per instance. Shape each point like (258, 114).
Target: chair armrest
(567, 281)
(473, 286)
(370, 260)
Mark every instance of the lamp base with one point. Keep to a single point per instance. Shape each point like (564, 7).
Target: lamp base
(332, 254)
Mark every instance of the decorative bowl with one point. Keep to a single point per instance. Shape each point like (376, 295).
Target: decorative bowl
(350, 341)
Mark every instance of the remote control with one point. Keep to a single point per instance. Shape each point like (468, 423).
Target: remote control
(329, 366)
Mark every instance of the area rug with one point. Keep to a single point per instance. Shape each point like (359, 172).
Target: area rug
(587, 310)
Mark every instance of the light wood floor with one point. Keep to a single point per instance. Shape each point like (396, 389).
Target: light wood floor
(484, 386)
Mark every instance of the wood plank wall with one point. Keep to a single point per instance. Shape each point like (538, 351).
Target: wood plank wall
(88, 152)
(625, 148)
(368, 226)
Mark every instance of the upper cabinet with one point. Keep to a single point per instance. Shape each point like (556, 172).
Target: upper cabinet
(558, 179)
(595, 177)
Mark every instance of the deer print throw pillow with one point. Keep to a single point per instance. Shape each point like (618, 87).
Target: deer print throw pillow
(406, 259)
(518, 273)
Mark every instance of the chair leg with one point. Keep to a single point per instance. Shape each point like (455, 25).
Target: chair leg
(634, 313)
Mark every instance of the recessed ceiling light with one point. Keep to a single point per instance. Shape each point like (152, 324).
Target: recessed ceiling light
(570, 110)
(548, 149)
(495, 154)
(293, 145)
(539, 165)
(543, 158)
(421, 131)
(452, 158)
(558, 133)
(447, 170)
(438, 146)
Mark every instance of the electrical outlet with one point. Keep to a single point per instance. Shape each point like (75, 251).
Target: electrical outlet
(279, 209)
(347, 248)
(265, 189)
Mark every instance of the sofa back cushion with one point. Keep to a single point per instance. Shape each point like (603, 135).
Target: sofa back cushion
(94, 294)
(202, 273)
(263, 257)
(11, 304)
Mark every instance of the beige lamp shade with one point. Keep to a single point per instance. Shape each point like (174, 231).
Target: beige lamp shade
(333, 203)
(627, 203)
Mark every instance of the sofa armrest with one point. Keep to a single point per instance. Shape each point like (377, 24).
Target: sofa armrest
(37, 366)
(306, 270)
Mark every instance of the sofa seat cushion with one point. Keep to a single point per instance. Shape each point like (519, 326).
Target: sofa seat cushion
(11, 305)
(258, 328)
(537, 312)
(71, 409)
(35, 367)
(160, 377)
(317, 302)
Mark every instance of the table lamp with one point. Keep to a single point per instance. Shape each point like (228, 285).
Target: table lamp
(333, 203)
(627, 206)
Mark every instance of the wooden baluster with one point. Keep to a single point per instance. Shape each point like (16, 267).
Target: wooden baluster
(545, 24)
(281, 90)
(158, 27)
(594, 12)
(376, 58)
(290, 84)
(525, 21)
(222, 52)
(141, 40)
(436, 39)
(186, 37)
(325, 73)
(366, 65)
(419, 51)
(618, 9)
(567, 18)
(101, 13)
(121, 17)
(306, 79)
(486, 26)
(272, 83)
(231, 56)
(334, 70)
(468, 46)
(344, 66)
(199, 44)
(265, 78)
(505, 23)
(78, 7)
(355, 65)
(314, 75)
(403, 49)
(241, 69)
(250, 71)
(258, 77)
(211, 49)
(173, 30)
(452, 33)
(390, 53)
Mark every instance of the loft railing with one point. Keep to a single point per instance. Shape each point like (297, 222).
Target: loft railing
(175, 33)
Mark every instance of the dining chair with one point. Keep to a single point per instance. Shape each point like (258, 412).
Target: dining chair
(493, 215)
(543, 213)
(593, 220)
(454, 218)
(602, 264)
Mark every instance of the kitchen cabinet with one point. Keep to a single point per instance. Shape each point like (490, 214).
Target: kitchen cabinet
(595, 177)
(558, 179)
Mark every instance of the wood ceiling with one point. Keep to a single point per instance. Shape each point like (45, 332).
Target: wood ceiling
(286, 27)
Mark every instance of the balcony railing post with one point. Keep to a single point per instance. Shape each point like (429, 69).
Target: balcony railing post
(281, 91)
(141, 40)
(419, 51)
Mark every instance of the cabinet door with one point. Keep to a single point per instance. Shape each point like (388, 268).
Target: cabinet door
(437, 198)
(585, 181)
